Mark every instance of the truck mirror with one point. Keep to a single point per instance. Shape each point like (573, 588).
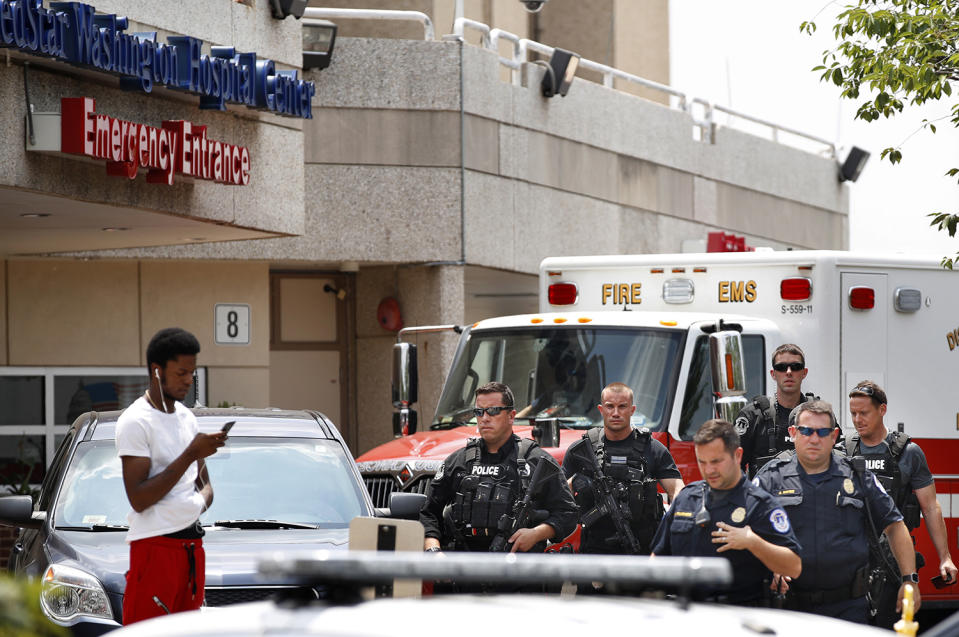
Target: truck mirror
(546, 432)
(404, 422)
(404, 388)
(404, 375)
(728, 373)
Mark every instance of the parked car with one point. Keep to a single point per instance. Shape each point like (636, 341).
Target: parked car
(481, 615)
(285, 480)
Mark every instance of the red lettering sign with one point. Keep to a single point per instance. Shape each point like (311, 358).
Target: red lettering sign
(176, 147)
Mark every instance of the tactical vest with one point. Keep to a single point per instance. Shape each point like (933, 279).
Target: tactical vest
(770, 439)
(637, 493)
(487, 492)
(887, 470)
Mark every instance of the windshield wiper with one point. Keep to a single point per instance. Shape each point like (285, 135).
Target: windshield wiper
(453, 424)
(263, 524)
(95, 527)
(565, 422)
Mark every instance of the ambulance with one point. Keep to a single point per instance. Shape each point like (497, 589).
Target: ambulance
(646, 320)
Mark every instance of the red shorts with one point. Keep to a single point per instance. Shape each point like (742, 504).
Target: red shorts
(163, 571)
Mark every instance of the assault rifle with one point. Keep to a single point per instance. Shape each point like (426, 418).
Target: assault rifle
(608, 492)
(523, 514)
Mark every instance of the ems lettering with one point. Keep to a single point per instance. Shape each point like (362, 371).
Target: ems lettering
(953, 339)
(486, 470)
(737, 291)
(622, 293)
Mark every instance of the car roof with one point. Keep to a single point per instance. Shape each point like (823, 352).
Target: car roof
(249, 422)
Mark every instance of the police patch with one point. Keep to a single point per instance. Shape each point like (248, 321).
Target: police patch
(439, 472)
(779, 520)
(742, 425)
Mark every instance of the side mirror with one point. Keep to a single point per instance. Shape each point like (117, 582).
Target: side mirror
(728, 373)
(404, 388)
(17, 510)
(406, 506)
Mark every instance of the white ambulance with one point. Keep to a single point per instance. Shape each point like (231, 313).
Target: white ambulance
(645, 321)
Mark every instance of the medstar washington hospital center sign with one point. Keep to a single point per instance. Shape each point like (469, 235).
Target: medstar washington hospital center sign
(75, 33)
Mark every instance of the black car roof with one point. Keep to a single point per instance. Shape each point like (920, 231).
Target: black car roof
(249, 422)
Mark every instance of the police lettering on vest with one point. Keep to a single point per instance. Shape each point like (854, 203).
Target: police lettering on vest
(493, 471)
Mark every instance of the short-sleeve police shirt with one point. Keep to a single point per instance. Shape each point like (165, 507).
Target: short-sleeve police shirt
(744, 504)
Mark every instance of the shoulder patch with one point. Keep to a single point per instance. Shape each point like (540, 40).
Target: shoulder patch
(779, 520)
(742, 425)
(439, 472)
(756, 482)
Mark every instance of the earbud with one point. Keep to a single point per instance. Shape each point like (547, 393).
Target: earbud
(156, 372)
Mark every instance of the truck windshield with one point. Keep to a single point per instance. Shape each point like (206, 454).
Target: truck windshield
(561, 372)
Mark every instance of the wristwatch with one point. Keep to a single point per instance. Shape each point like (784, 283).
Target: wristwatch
(912, 578)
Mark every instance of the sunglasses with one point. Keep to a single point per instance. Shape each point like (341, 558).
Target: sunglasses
(822, 432)
(492, 411)
(868, 391)
(781, 367)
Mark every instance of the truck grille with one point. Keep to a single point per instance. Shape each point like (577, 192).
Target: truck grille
(381, 486)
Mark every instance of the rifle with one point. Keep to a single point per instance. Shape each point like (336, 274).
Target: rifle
(881, 569)
(607, 504)
(523, 514)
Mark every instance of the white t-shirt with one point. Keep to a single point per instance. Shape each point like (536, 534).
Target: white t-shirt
(147, 432)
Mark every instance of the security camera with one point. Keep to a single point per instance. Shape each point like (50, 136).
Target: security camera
(534, 6)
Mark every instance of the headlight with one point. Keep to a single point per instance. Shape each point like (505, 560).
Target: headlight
(67, 592)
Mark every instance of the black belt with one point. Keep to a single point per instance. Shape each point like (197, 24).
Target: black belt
(803, 600)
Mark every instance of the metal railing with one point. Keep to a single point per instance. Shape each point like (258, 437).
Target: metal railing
(521, 47)
(374, 14)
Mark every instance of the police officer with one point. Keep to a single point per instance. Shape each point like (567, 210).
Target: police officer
(762, 424)
(631, 463)
(901, 468)
(832, 507)
(477, 485)
(727, 515)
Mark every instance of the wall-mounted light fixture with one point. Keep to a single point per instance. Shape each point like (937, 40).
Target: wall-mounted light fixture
(283, 8)
(319, 37)
(559, 73)
(853, 164)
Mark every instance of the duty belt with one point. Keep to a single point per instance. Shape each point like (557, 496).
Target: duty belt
(804, 600)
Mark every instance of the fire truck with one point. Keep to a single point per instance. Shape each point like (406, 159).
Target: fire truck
(648, 320)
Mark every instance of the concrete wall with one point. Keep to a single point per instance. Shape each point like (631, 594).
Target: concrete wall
(431, 295)
(72, 312)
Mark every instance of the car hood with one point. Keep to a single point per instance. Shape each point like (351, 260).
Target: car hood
(438, 445)
(231, 554)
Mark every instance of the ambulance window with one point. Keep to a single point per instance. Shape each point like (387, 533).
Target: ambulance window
(698, 402)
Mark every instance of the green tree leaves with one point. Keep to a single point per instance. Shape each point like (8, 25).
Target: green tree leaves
(896, 53)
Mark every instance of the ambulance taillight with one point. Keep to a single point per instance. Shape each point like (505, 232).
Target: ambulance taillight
(797, 289)
(862, 298)
(563, 294)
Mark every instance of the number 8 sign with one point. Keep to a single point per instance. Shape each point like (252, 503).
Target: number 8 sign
(232, 324)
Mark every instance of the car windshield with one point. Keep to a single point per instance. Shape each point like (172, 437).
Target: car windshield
(297, 480)
(561, 372)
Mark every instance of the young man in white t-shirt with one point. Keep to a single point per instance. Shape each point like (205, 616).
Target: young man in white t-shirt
(167, 484)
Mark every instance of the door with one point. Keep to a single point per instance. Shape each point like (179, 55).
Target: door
(862, 340)
(310, 348)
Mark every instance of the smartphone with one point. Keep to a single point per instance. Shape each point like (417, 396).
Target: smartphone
(228, 426)
(939, 582)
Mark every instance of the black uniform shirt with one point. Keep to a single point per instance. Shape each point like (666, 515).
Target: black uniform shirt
(554, 496)
(744, 504)
(659, 463)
